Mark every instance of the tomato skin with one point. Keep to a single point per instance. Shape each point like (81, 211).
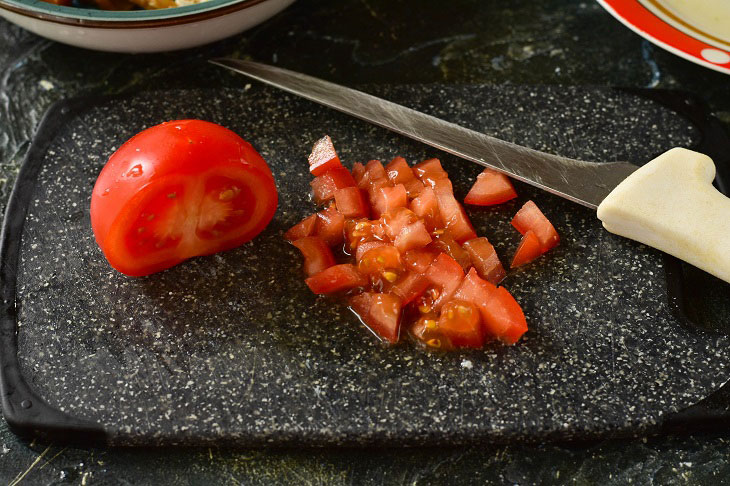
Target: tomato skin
(171, 155)
(304, 228)
(503, 312)
(528, 250)
(335, 279)
(529, 217)
(485, 259)
(317, 255)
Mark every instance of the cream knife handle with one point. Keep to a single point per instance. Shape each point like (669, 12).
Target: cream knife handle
(670, 204)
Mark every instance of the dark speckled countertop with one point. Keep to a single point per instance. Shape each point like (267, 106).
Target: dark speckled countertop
(517, 42)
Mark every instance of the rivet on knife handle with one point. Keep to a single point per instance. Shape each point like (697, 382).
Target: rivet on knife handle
(670, 204)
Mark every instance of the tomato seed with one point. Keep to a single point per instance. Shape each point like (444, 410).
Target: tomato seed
(227, 195)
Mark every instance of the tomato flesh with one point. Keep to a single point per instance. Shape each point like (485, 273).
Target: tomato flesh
(335, 279)
(530, 218)
(325, 186)
(485, 259)
(323, 157)
(317, 255)
(351, 203)
(177, 190)
(304, 228)
(380, 312)
(490, 188)
(460, 322)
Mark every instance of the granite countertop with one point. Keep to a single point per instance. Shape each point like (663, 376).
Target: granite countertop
(552, 42)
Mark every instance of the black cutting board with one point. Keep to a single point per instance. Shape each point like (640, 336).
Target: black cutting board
(234, 349)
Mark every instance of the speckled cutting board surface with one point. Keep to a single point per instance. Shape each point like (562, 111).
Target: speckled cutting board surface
(234, 349)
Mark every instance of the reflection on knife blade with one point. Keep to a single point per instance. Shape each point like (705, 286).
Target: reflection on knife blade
(586, 183)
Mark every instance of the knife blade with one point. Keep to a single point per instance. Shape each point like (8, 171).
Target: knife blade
(668, 203)
(583, 182)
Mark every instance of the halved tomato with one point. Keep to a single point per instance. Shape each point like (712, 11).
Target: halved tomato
(177, 190)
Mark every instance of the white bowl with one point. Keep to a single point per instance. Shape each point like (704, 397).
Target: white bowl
(140, 30)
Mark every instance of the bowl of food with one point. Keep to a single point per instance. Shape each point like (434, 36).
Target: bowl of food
(138, 25)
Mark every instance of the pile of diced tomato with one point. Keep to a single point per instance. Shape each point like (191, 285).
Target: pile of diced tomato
(413, 261)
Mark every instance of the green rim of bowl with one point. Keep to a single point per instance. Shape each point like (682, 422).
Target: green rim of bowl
(38, 8)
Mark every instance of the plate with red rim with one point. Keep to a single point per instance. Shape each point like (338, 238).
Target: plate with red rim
(698, 31)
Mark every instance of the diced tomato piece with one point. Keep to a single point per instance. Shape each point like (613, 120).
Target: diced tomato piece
(335, 279)
(528, 250)
(491, 187)
(426, 207)
(325, 186)
(453, 214)
(317, 255)
(330, 226)
(399, 172)
(414, 188)
(358, 170)
(426, 330)
(381, 313)
(446, 274)
(366, 246)
(479, 292)
(419, 260)
(350, 201)
(374, 171)
(429, 171)
(394, 221)
(444, 243)
(485, 259)
(504, 318)
(380, 260)
(413, 236)
(388, 198)
(530, 218)
(358, 231)
(323, 157)
(410, 286)
(460, 322)
(306, 227)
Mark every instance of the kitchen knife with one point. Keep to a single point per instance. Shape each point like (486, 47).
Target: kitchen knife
(669, 203)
